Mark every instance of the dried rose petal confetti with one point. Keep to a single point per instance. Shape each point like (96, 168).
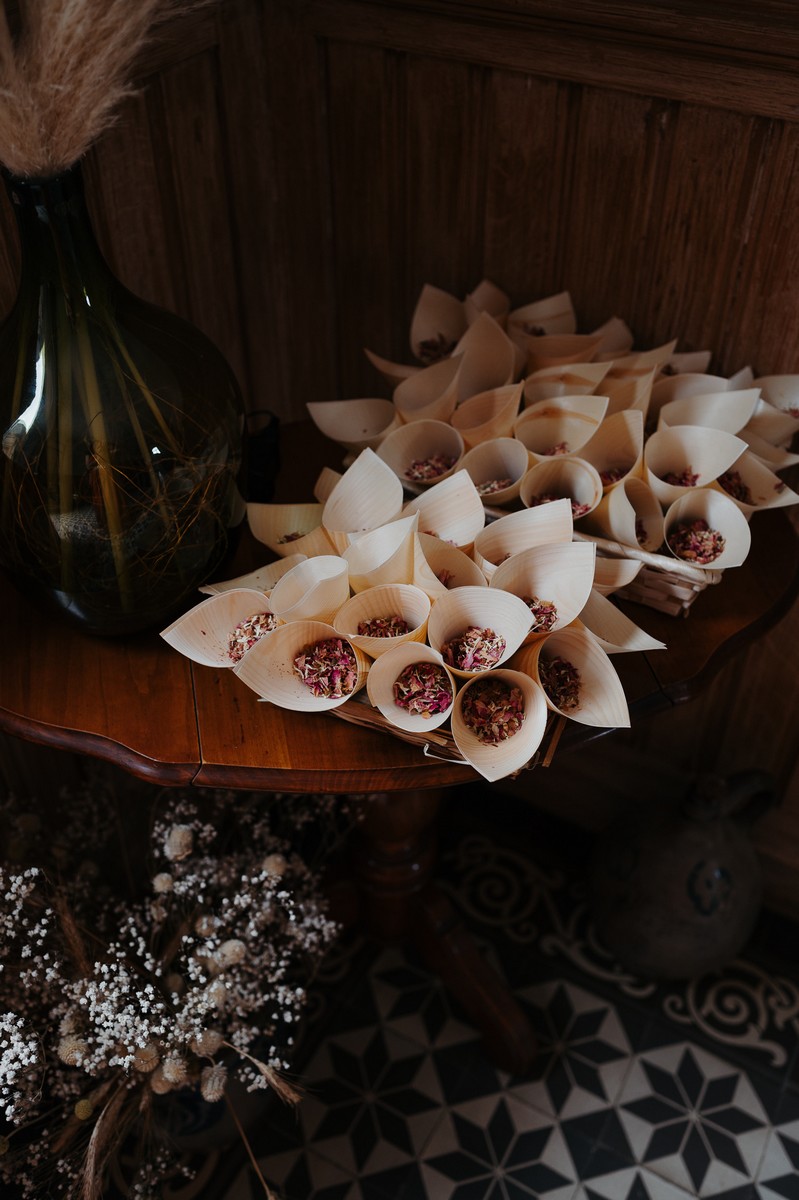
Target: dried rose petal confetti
(734, 486)
(422, 469)
(558, 448)
(560, 680)
(381, 627)
(493, 709)
(328, 668)
(686, 478)
(289, 537)
(423, 689)
(248, 632)
(433, 349)
(544, 612)
(489, 486)
(612, 475)
(578, 510)
(640, 531)
(474, 650)
(446, 577)
(695, 541)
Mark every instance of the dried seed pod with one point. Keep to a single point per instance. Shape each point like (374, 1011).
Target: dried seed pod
(162, 882)
(70, 1023)
(179, 842)
(212, 1082)
(230, 953)
(274, 864)
(159, 1083)
(217, 993)
(208, 1042)
(72, 1049)
(146, 1058)
(174, 1069)
(83, 1110)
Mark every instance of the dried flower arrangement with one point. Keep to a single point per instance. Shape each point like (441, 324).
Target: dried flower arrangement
(114, 1006)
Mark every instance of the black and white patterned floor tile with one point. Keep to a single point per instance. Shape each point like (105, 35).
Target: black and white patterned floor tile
(641, 1091)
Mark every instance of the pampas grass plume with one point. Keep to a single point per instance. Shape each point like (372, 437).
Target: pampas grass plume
(64, 71)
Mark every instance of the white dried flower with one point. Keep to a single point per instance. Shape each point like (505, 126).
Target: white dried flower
(162, 883)
(174, 1069)
(72, 1050)
(274, 864)
(212, 1082)
(208, 1042)
(179, 842)
(230, 953)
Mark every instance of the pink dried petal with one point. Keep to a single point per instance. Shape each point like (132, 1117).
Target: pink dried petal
(734, 486)
(423, 469)
(248, 632)
(489, 486)
(545, 614)
(686, 478)
(383, 627)
(560, 680)
(612, 475)
(695, 541)
(578, 510)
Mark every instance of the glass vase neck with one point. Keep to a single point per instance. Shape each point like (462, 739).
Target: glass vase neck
(55, 228)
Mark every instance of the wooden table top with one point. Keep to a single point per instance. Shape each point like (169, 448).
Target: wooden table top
(140, 704)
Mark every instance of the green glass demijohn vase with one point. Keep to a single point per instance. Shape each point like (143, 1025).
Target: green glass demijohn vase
(121, 430)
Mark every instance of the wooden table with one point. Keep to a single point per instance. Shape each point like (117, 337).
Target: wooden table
(139, 704)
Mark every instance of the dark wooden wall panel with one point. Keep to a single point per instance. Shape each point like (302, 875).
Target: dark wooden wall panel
(445, 173)
(129, 207)
(366, 157)
(290, 176)
(527, 126)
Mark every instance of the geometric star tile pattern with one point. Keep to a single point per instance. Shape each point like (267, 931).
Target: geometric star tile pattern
(640, 1091)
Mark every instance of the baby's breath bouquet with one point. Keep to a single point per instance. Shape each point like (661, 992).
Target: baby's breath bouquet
(109, 1006)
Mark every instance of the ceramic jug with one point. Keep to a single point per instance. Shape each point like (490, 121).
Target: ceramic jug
(676, 891)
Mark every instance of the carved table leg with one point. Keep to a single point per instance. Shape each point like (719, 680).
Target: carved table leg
(392, 864)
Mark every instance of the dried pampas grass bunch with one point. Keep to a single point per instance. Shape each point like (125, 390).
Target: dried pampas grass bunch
(64, 69)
